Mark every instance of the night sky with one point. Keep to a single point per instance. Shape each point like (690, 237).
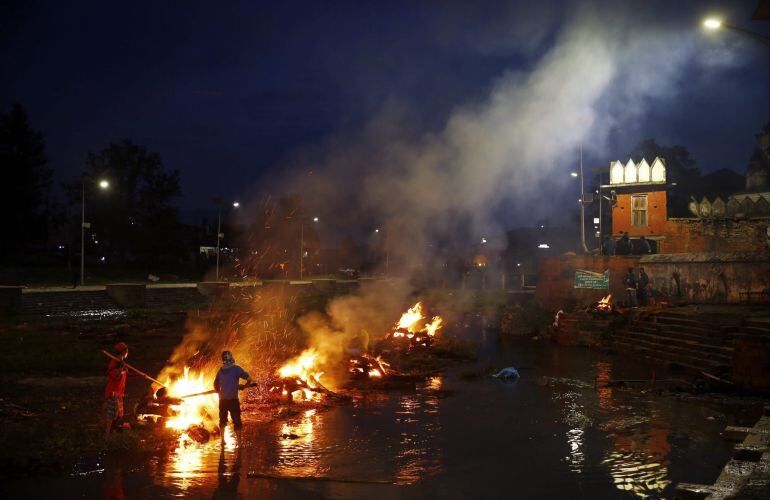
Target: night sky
(227, 91)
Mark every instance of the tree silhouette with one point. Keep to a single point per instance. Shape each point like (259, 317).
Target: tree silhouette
(135, 221)
(25, 188)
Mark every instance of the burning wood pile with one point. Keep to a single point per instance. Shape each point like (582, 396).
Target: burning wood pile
(413, 331)
(298, 379)
(602, 308)
(366, 366)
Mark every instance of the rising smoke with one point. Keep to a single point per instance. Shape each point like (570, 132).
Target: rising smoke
(605, 66)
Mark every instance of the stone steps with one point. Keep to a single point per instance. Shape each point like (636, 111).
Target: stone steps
(665, 341)
(684, 354)
(654, 354)
(66, 303)
(687, 337)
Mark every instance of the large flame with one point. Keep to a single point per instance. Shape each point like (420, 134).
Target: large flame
(411, 318)
(304, 367)
(192, 411)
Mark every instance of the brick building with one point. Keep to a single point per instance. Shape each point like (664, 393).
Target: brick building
(727, 222)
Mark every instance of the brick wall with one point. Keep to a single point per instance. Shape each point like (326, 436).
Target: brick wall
(713, 277)
(715, 235)
(555, 279)
(691, 278)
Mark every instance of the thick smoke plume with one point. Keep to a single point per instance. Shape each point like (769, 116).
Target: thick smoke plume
(603, 68)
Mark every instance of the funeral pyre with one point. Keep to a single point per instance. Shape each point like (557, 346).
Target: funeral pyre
(602, 307)
(299, 379)
(413, 331)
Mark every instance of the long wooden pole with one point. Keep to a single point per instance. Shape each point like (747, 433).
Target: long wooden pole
(135, 370)
(213, 391)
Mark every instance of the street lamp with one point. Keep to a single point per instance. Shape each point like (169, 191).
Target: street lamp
(302, 244)
(581, 200)
(219, 202)
(103, 184)
(715, 24)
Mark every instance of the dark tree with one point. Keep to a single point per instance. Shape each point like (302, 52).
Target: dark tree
(25, 186)
(680, 167)
(134, 221)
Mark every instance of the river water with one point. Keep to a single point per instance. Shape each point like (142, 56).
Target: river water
(555, 433)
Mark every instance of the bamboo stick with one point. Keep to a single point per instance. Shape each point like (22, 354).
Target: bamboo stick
(135, 370)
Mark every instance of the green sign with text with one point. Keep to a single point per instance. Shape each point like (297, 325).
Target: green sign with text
(590, 279)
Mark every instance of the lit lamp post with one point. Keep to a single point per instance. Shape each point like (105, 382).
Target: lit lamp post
(582, 202)
(387, 254)
(219, 227)
(103, 184)
(302, 244)
(715, 24)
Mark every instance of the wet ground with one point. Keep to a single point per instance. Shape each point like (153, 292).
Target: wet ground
(554, 433)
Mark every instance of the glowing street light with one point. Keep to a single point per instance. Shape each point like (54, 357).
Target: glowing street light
(103, 184)
(715, 24)
(302, 246)
(219, 201)
(574, 174)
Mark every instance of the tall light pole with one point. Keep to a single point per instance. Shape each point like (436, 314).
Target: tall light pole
(302, 244)
(579, 174)
(385, 247)
(715, 24)
(219, 228)
(103, 184)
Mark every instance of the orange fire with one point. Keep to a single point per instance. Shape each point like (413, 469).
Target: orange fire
(305, 369)
(604, 304)
(192, 411)
(413, 328)
(368, 365)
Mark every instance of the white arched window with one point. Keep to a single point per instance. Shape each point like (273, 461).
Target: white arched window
(658, 171)
(616, 173)
(643, 171)
(630, 172)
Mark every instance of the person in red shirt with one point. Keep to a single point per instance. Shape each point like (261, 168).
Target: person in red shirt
(116, 386)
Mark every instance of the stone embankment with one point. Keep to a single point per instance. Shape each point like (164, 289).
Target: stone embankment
(116, 299)
(731, 343)
(747, 474)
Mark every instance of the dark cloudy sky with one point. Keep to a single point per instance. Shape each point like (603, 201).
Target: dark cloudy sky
(227, 91)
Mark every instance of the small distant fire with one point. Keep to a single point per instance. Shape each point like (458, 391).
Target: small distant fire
(413, 330)
(602, 307)
(604, 304)
(299, 378)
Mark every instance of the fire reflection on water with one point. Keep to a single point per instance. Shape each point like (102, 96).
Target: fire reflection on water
(297, 453)
(419, 455)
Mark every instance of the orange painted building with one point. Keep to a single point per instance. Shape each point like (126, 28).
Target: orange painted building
(639, 205)
(640, 213)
